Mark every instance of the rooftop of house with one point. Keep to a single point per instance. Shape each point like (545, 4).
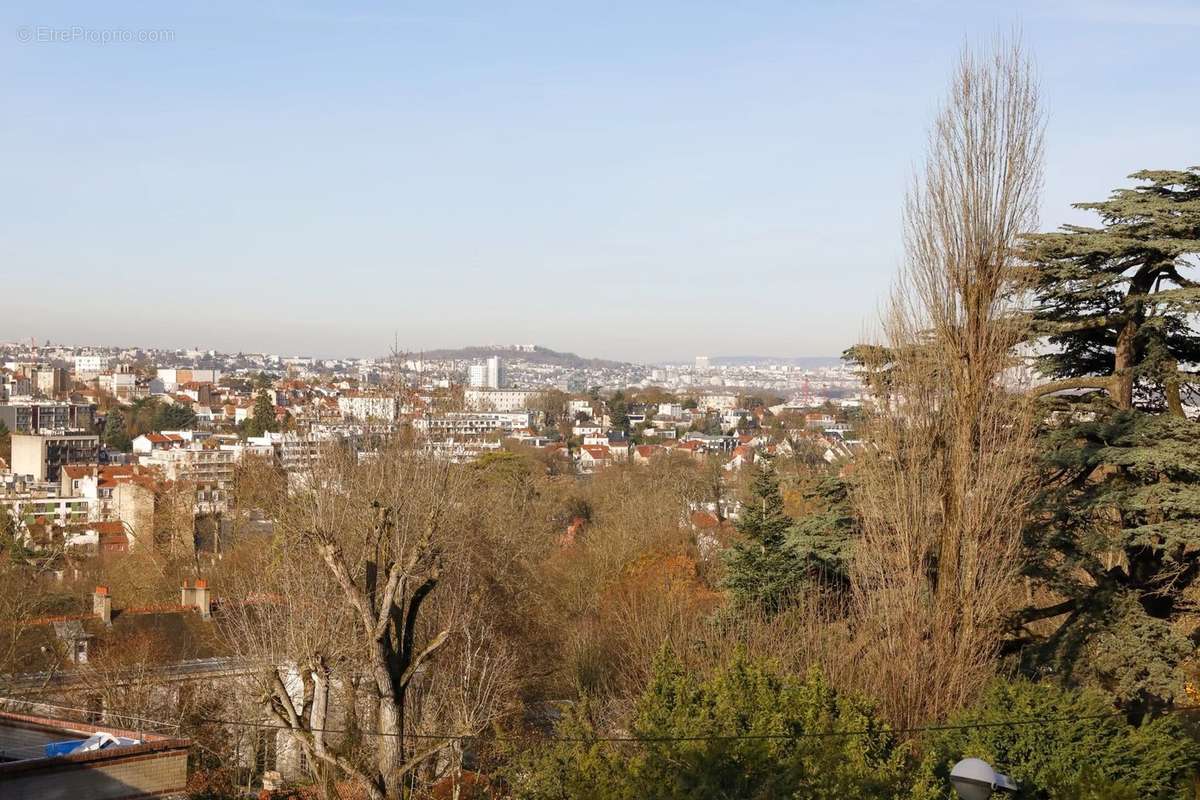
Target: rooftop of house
(156, 635)
(43, 755)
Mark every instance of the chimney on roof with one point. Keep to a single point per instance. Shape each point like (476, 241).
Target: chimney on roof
(198, 597)
(102, 605)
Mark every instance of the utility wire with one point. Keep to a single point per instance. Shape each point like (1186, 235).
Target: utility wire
(654, 739)
(710, 737)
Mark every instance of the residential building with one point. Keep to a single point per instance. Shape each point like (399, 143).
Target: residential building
(89, 367)
(209, 469)
(466, 423)
(30, 502)
(148, 442)
(718, 402)
(477, 376)
(496, 378)
(45, 757)
(37, 416)
(48, 381)
(460, 451)
(366, 407)
(593, 457)
(499, 399)
(579, 407)
(173, 377)
(43, 455)
(121, 384)
(488, 375)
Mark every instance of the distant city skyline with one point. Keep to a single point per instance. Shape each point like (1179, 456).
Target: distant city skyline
(514, 349)
(636, 183)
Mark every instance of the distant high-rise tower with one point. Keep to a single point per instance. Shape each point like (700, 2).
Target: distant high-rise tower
(495, 373)
(477, 376)
(488, 375)
(701, 363)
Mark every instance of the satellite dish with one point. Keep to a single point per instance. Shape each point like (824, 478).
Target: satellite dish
(974, 779)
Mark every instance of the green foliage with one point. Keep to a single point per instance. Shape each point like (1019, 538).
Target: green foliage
(1065, 758)
(1119, 539)
(5, 442)
(1115, 535)
(1093, 285)
(115, 435)
(174, 418)
(262, 420)
(618, 412)
(824, 539)
(743, 700)
(764, 570)
(261, 382)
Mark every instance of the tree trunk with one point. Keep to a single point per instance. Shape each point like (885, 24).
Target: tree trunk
(1123, 366)
(391, 748)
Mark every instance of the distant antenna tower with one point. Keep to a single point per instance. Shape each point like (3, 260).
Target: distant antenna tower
(805, 392)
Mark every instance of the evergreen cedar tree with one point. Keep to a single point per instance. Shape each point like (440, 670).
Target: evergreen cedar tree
(1120, 467)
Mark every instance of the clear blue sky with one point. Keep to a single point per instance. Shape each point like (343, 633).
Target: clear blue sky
(633, 180)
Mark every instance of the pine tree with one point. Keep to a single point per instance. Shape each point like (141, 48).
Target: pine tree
(764, 570)
(115, 434)
(1117, 539)
(263, 419)
(5, 443)
(824, 539)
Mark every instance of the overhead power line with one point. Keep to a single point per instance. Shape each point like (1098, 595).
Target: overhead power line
(711, 737)
(641, 739)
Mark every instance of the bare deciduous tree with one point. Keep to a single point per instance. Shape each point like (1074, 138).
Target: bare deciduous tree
(941, 495)
(341, 601)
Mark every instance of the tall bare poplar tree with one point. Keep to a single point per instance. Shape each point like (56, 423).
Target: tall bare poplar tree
(941, 496)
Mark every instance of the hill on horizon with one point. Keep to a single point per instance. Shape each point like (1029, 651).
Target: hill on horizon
(538, 355)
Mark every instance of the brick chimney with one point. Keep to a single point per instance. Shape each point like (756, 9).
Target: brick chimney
(102, 605)
(198, 597)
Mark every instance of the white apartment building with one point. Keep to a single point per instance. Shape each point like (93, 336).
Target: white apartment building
(488, 375)
(88, 367)
(465, 423)
(460, 451)
(369, 407)
(209, 469)
(118, 384)
(718, 402)
(499, 399)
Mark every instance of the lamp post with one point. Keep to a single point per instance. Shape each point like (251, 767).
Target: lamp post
(974, 779)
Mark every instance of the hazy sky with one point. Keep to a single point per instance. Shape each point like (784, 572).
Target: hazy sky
(644, 181)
